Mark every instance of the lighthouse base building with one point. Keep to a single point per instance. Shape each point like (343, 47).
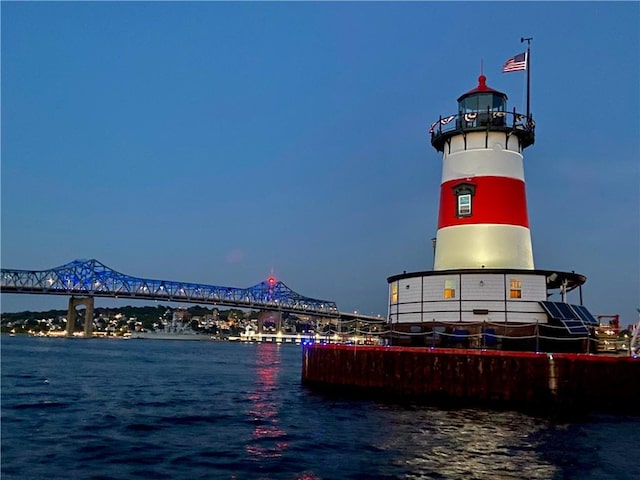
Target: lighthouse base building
(484, 290)
(498, 308)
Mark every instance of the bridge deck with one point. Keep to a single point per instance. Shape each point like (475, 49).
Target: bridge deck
(92, 278)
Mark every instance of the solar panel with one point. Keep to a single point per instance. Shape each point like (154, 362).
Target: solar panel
(584, 315)
(575, 318)
(567, 311)
(575, 326)
(559, 311)
(550, 308)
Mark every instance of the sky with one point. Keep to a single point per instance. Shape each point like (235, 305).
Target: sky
(220, 143)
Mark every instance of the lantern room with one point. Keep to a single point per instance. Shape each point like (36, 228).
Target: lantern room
(482, 99)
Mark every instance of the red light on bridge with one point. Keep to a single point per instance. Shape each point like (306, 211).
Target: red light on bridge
(271, 281)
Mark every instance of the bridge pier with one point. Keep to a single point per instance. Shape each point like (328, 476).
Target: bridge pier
(88, 315)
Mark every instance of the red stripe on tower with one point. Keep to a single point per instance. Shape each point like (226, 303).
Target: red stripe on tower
(499, 200)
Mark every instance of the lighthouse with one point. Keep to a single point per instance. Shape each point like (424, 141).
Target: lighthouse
(484, 289)
(483, 221)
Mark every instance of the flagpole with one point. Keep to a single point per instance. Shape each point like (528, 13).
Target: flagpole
(528, 40)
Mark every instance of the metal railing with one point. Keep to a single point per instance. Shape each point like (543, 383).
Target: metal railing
(495, 335)
(517, 123)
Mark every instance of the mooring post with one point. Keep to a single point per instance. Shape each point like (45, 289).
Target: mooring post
(433, 333)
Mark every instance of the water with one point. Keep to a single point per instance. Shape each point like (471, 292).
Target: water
(126, 409)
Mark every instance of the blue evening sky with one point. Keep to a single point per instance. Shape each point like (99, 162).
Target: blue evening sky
(220, 143)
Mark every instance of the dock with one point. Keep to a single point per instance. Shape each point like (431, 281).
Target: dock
(521, 380)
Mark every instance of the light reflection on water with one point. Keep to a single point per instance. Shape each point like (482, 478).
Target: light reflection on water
(466, 444)
(269, 439)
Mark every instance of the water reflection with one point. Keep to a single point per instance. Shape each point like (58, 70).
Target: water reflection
(269, 440)
(467, 444)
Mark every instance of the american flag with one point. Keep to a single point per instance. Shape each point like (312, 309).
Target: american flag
(519, 62)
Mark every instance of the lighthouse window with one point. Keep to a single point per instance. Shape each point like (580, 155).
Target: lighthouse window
(464, 193)
(483, 103)
(464, 205)
(394, 293)
(449, 289)
(515, 290)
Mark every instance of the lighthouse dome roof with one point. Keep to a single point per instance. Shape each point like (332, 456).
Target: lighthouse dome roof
(482, 88)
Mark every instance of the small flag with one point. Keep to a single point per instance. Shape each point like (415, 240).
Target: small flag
(514, 64)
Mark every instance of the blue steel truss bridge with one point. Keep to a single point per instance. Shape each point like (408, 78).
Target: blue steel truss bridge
(90, 278)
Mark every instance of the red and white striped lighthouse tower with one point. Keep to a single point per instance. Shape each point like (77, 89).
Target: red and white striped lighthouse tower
(483, 221)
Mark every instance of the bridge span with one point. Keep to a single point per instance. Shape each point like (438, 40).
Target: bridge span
(83, 280)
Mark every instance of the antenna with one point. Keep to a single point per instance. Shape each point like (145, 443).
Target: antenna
(528, 60)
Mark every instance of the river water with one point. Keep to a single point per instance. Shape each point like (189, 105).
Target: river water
(126, 409)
